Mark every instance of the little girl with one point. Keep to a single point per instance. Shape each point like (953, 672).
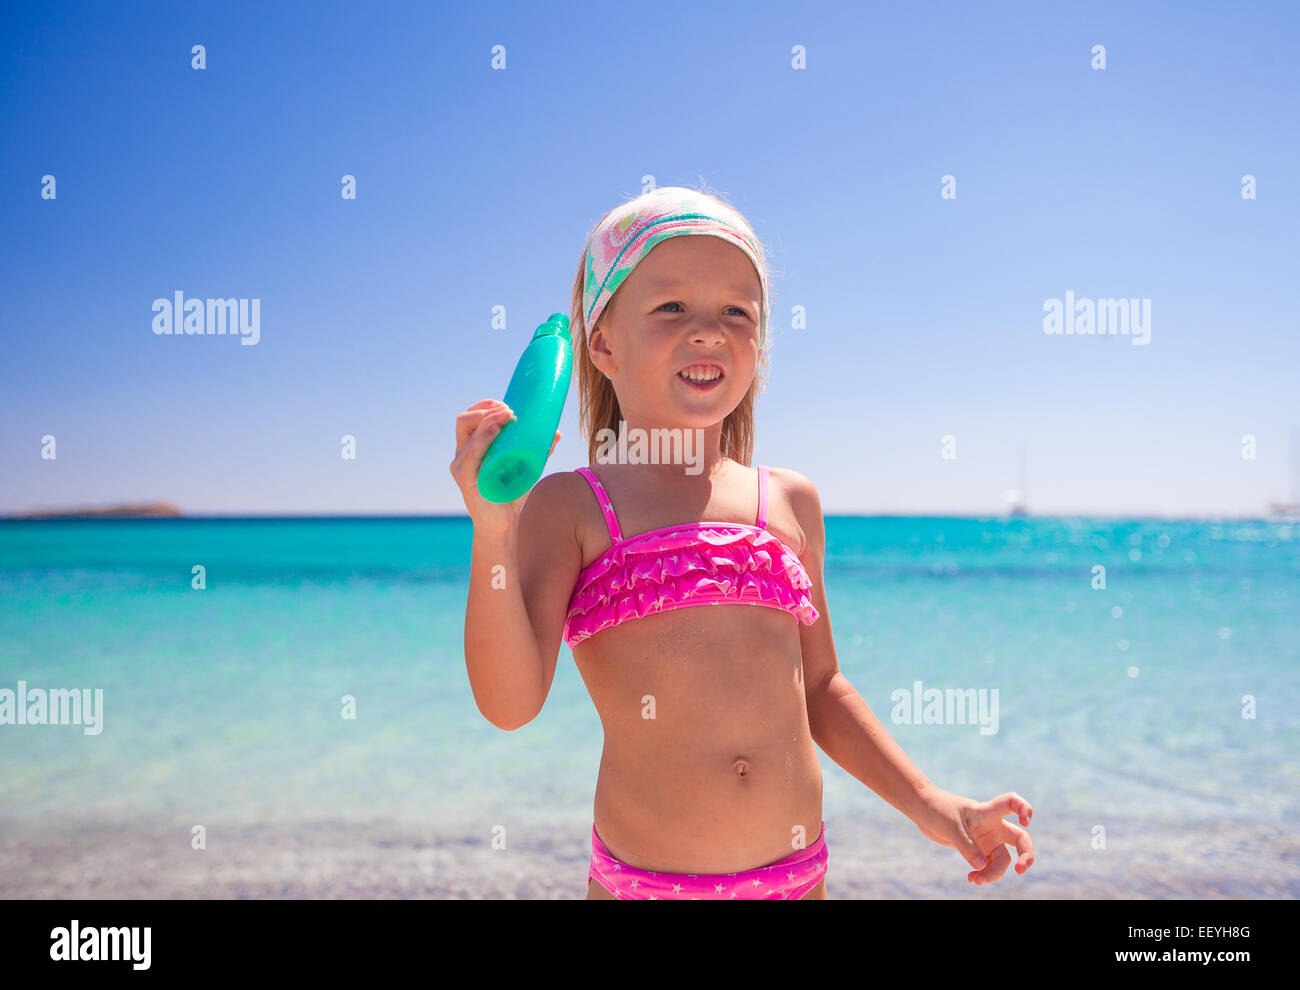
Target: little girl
(709, 776)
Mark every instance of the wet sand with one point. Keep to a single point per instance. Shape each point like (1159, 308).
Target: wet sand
(344, 860)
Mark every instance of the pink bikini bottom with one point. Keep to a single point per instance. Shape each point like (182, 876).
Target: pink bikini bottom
(785, 880)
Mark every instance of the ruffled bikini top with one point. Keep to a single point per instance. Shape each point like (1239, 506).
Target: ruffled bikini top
(687, 564)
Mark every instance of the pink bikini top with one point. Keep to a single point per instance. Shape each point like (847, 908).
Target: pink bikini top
(687, 564)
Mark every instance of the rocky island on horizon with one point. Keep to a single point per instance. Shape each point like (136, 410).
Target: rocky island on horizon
(124, 510)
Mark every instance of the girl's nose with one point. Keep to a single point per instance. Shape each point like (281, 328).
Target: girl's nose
(707, 329)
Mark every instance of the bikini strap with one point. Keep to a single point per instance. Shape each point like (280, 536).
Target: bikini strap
(606, 506)
(762, 497)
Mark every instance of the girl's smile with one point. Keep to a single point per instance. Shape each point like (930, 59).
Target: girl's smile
(702, 376)
(702, 386)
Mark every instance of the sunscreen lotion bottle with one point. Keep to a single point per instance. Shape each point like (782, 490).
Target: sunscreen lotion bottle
(538, 389)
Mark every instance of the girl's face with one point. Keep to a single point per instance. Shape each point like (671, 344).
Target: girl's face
(692, 302)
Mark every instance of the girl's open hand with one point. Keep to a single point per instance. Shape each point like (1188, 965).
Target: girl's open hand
(979, 831)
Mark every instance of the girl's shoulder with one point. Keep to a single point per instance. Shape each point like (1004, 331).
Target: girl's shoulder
(566, 501)
(794, 492)
(792, 482)
(562, 489)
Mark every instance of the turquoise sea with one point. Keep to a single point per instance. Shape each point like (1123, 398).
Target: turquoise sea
(1162, 708)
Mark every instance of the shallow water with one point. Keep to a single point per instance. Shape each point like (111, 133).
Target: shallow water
(1119, 707)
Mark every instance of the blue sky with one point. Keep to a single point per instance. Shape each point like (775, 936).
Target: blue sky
(476, 188)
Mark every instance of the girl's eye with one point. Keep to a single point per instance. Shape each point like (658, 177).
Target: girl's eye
(736, 308)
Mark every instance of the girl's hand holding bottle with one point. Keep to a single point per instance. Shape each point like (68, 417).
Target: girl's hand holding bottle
(476, 428)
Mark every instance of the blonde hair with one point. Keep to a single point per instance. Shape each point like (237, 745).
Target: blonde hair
(597, 402)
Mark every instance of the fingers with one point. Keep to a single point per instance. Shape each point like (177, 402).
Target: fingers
(1012, 803)
(1019, 838)
(996, 831)
(553, 443)
(999, 860)
(476, 427)
(1012, 834)
(479, 416)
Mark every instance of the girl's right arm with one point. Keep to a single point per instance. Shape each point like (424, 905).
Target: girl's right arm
(523, 562)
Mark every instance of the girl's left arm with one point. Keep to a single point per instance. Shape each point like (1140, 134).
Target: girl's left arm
(850, 734)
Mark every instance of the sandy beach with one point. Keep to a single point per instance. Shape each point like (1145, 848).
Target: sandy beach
(350, 861)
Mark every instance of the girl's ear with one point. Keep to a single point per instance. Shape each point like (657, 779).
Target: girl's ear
(598, 348)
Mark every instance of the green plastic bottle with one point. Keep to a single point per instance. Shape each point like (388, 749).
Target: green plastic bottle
(536, 394)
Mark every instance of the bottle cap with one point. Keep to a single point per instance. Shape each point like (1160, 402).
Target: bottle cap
(557, 324)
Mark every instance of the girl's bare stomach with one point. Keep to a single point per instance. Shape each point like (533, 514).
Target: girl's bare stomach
(708, 764)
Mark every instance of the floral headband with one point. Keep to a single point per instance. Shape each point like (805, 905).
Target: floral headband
(628, 234)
